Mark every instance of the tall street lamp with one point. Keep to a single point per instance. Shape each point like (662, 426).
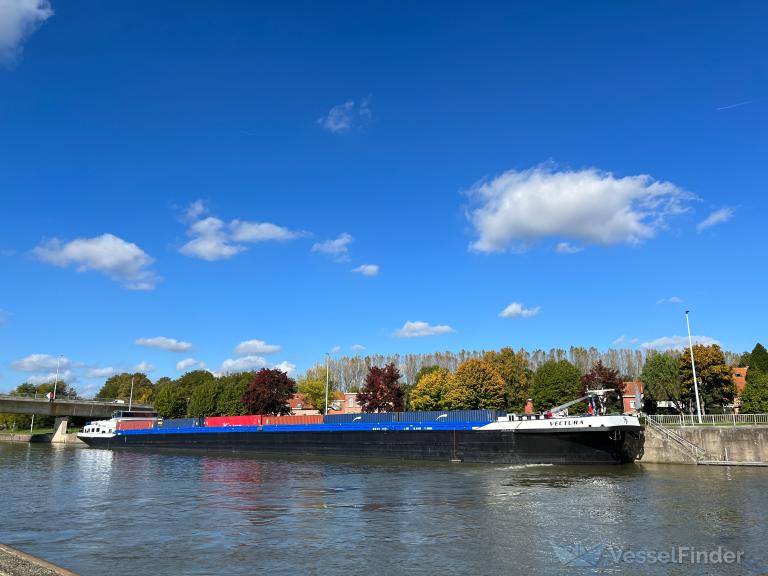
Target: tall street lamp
(327, 378)
(56, 382)
(693, 366)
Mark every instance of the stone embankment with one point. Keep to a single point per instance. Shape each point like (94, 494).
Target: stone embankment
(14, 562)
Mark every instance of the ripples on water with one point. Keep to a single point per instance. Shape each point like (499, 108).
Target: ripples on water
(102, 512)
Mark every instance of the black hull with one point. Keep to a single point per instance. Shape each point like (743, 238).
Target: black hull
(491, 446)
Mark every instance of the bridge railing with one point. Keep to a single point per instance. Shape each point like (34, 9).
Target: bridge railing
(69, 397)
(711, 419)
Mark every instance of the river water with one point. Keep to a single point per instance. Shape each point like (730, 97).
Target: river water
(99, 512)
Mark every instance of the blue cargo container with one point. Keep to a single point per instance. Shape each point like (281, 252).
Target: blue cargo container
(179, 423)
(419, 416)
(450, 416)
(365, 417)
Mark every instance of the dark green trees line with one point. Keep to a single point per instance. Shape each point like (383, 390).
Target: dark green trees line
(503, 379)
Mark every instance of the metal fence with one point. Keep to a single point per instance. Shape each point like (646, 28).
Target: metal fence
(710, 419)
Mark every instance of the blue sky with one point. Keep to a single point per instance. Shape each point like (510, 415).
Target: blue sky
(246, 185)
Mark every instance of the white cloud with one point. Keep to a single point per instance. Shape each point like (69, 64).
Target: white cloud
(64, 376)
(40, 362)
(242, 364)
(18, 19)
(338, 248)
(715, 218)
(214, 239)
(187, 363)
(367, 269)
(170, 344)
(624, 340)
(4, 314)
(122, 261)
(250, 347)
(210, 241)
(336, 349)
(195, 210)
(243, 231)
(677, 342)
(516, 310)
(594, 207)
(357, 348)
(144, 367)
(567, 248)
(343, 117)
(101, 372)
(287, 367)
(419, 328)
(670, 300)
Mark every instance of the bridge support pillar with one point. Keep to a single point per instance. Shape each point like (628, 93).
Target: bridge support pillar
(60, 429)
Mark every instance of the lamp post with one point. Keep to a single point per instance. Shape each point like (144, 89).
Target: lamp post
(327, 378)
(130, 399)
(56, 382)
(693, 366)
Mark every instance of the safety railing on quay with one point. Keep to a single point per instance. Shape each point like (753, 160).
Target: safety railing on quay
(710, 419)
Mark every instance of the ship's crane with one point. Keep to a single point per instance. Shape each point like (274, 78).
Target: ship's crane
(590, 393)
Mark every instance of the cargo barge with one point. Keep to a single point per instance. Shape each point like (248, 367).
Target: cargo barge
(481, 436)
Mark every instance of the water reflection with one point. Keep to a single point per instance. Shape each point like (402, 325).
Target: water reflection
(200, 514)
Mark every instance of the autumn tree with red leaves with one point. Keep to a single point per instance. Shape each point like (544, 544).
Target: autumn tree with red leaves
(382, 391)
(600, 377)
(269, 393)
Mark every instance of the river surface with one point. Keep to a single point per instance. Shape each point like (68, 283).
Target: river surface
(99, 512)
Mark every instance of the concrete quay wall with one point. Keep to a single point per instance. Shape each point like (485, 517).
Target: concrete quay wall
(724, 443)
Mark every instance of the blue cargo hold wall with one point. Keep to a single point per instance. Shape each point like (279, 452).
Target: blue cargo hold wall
(416, 416)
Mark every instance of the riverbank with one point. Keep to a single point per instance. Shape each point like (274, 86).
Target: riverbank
(14, 562)
(720, 444)
(68, 438)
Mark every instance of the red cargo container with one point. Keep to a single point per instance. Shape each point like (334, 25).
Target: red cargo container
(215, 421)
(278, 420)
(135, 424)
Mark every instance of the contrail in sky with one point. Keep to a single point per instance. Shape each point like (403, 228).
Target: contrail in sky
(735, 105)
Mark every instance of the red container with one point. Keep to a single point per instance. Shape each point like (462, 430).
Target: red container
(285, 420)
(216, 421)
(135, 424)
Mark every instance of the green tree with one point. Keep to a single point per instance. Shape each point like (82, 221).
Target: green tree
(191, 380)
(313, 391)
(555, 382)
(754, 399)
(312, 387)
(661, 378)
(423, 371)
(758, 359)
(204, 399)
(230, 399)
(513, 368)
(430, 389)
(382, 391)
(269, 392)
(476, 385)
(119, 386)
(716, 387)
(171, 401)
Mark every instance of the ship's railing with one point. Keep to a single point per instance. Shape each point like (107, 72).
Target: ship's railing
(696, 452)
(711, 419)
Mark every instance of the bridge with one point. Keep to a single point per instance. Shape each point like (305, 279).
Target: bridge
(63, 407)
